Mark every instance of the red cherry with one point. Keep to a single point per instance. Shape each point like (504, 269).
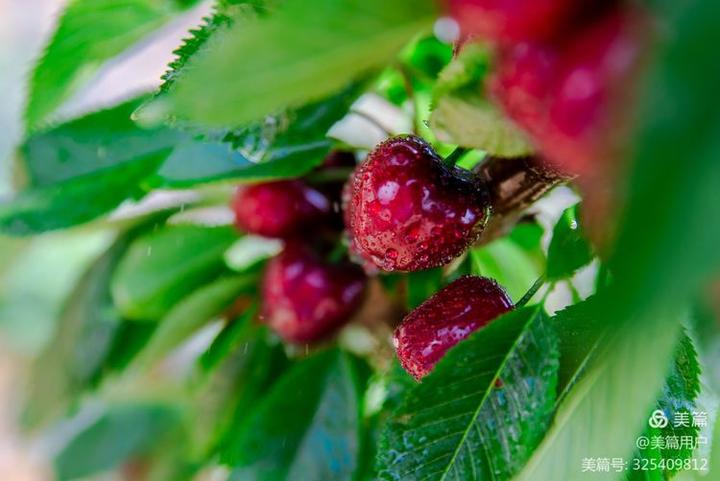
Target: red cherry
(521, 83)
(567, 96)
(278, 209)
(513, 20)
(406, 210)
(306, 299)
(586, 97)
(445, 319)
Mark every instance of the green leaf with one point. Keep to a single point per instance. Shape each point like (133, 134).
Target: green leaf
(120, 433)
(582, 336)
(659, 262)
(95, 143)
(480, 413)
(680, 392)
(73, 360)
(89, 33)
(192, 313)
(78, 200)
(285, 145)
(677, 244)
(620, 381)
(308, 426)
(569, 249)
(130, 338)
(307, 50)
(510, 265)
(463, 115)
(82, 169)
(162, 267)
(225, 14)
(244, 364)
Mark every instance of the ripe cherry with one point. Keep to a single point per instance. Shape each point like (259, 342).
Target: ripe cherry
(566, 96)
(595, 73)
(306, 299)
(448, 317)
(406, 210)
(278, 209)
(513, 20)
(521, 83)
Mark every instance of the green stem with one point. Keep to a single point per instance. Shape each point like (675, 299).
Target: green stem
(531, 292)
(455, 156)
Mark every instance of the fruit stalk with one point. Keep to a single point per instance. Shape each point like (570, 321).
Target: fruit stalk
(514, 184)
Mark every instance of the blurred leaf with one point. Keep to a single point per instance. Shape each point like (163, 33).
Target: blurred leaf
(103, 142)
(582, 337)
(243, 367)
(191, 313)
(78, 200)
(659, 262)
(308, 426)
(678, 244)
(37, 277)
(73, 360)
(620, 381)
(228, 339)
(89, 33)
(480, 413)
(95, 143)
(421, 285)
(82, 169)
(305, 51)
(285, 145)
(130, 338)
(162, 267)
(120, 433)
(511, 266)
(569, 249)
(461, 113)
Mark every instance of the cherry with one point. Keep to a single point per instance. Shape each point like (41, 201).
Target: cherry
(521, 82)
(406, 210)
(449, 316)
(566, 96)
(306, 299)
(278, 209)
(593, 73)
(513, 20)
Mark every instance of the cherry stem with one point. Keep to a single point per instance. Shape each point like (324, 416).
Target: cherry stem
(455, 156)
(325, 176)
(531, 292)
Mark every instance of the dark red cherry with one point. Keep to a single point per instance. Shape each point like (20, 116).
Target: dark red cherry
(306, 299)
(278, 209)
(513, 20)
(448, 317)
(406, 210)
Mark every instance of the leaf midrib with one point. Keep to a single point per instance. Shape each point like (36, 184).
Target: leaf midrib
(488, 390)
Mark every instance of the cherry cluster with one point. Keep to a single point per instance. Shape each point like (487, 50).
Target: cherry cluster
(404, 209)
(561, 68)
(564, 70)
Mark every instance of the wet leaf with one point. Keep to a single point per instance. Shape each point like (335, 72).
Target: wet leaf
(480, 413)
